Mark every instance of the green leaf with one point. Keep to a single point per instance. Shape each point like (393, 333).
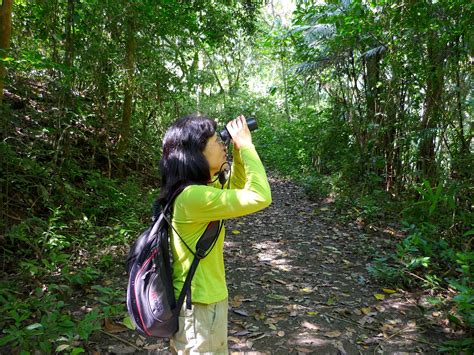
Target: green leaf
(454, 319)
(470, 232)
(127, 321)
(5, 340)
(62, 347)
(34, 326)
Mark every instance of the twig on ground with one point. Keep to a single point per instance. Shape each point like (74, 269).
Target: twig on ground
(120, 339)
(351, 322)
(399, 333)
(425, 280)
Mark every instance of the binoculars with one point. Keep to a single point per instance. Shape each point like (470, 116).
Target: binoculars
(251, 123)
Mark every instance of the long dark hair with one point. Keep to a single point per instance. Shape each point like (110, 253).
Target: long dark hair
(183, 162)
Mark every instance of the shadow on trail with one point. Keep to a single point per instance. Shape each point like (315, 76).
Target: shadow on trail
(298, 283)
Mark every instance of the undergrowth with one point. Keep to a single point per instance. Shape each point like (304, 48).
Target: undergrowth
(68, 224)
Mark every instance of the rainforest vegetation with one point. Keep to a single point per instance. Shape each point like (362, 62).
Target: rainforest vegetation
(365, 103)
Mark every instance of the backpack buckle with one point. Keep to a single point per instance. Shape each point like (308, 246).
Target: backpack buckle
(200, 253)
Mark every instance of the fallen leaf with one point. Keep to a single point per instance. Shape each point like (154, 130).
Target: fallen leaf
(306, 290)
(343, 311)
(272, 326)
(386, 328)
(271, 321)
(259, 315)
(309, 325)
(140, 341)
(242, 333)
(379, 296)
(112, 327)
(240, 312)
(365, 310)
(277, 297)
(255, 333)
(312, 314)
(372, 340)
(388, 290)
(379, 308)
(281, 333)
(333, 334)
(157, 346)
(236, 302)
(235, 231)
(366, 319)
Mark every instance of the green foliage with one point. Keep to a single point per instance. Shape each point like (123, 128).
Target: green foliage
(465, 286)
(41, 322)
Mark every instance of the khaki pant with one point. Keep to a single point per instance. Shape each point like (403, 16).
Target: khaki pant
(202, 329)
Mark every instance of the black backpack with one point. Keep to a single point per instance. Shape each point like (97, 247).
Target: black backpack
(151, 302)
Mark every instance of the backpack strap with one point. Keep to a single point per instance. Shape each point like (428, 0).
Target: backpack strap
(204, 246)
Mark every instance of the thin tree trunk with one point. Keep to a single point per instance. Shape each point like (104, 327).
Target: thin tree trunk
(130, 47)
(69, 31)
(433, 108)
(69, 51)
(372, 77)
(5, 34)
(285, 86)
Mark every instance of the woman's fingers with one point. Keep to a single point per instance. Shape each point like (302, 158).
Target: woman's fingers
(239, 132)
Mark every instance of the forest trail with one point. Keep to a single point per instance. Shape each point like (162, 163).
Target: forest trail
(298, 283)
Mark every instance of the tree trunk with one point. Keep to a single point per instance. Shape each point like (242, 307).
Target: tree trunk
(130, 47)
(374, 120)
(69, 51)
(283, 78)
(5, 34)
(372, 77)
(69, 32)
(433, 108)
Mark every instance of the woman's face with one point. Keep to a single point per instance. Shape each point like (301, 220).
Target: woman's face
(215, 153)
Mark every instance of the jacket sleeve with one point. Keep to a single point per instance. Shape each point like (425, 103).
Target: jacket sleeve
(237, 177)
(201, 203)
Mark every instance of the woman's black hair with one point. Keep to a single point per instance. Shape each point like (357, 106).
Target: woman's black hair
(183, 162)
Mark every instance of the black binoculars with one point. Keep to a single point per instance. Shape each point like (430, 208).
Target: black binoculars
(251, 123)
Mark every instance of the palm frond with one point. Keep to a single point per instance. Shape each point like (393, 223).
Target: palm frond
(312, 67)
(318, 32)
(374, 51)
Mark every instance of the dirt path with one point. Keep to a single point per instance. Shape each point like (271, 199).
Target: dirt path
(298, 283)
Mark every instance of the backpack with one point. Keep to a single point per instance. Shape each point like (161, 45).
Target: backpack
(151, 303)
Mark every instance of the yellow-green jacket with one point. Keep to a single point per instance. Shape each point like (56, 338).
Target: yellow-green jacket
(197, 205)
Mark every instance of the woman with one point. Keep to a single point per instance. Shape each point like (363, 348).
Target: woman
(193, 156)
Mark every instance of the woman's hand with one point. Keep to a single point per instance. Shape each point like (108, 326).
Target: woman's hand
(240, 133)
